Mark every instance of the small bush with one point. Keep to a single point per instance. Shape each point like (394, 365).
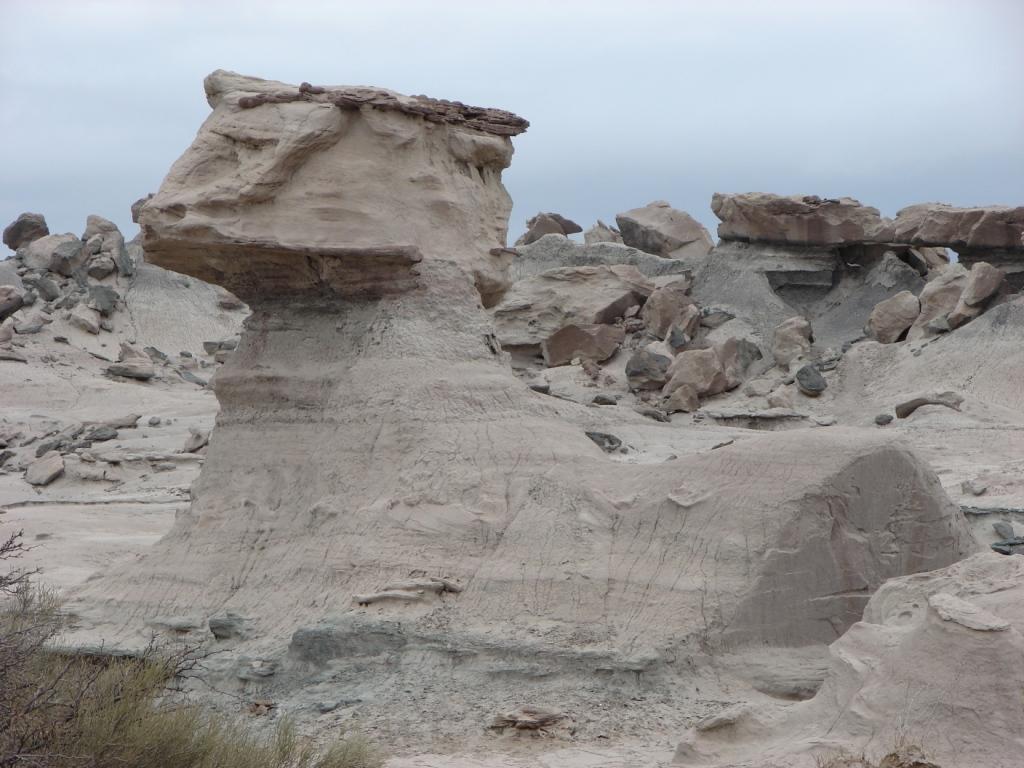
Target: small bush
(59, 711)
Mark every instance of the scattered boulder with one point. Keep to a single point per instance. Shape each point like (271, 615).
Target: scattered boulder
(547, 224)
(197, 440)
(983, 282)
(792, 340)
(588, 342)
(535, 308)
(892, 318)
(103, 299)
(797, 219)
(647, 368)
(700, 371)
(85, 319)
(938, 298)
(56, 253)
(24, 230)
(132, 364)
(670, 305)
(810, 381)
(883, 418)
(973, 487)
(948, 399)
(45, 470)
(607, 443)
(602, 233)
(660, 229)
(11, 300)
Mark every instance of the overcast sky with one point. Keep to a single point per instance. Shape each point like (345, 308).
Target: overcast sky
(891, 102)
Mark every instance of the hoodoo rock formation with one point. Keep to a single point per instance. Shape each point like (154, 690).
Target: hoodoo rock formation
(384, 499)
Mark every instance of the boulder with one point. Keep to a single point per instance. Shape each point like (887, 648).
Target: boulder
(45, 469)
(602, 233)
(132, 364)
(11, 300)
(938, 298)
(949, 399)
(736, 356)
(806, 220)
(810, 381)
(85, 319)
(791, 341)
(57, 253)
(547, 224)
(100, 266)
(890, 319)
(587, 342)
(103, 299)
(196, 441)
(982, 283)
(660, 229)
(938, 224)
(535, 308)
(647, 368)
(669, 305)
(6, 330)
(698, 369)
(25, 229)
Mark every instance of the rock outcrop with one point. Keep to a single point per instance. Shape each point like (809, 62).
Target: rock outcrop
(927, 666)
(398, 453)
(602, 233)
(660, 229)
(962, 229)
(547, 224)
(25, 229)
(798, 220)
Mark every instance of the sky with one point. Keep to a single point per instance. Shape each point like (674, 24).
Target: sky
(893, 102)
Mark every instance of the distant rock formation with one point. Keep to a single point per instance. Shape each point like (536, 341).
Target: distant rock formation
(660, 229)
(547, 224)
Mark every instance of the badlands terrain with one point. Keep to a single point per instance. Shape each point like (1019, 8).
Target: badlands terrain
(634, 496)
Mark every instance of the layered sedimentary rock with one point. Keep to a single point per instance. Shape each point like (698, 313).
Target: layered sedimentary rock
(348, 222)
(798, 219)
(930, 224)
(383, 496)
(932, 664)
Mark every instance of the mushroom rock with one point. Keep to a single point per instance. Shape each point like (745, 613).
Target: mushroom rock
(338, 190)
(806, 220)
(382, 495)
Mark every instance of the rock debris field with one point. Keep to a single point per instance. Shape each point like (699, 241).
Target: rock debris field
(629, 495)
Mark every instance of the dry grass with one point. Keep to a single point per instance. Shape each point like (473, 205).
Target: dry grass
(59, 711)
(902, 756)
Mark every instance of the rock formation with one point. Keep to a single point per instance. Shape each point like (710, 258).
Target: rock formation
(926, 667)
(798, 220)
(383, 496)
(547, 224)
(660, 229)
